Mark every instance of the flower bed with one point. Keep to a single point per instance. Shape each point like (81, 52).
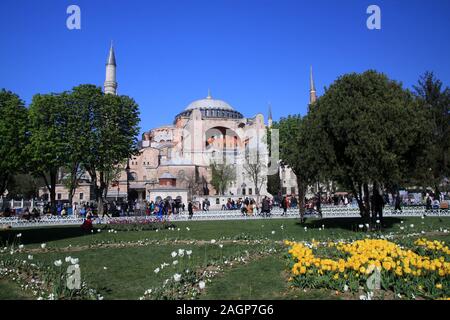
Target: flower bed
(136, 224)
(422, 270)
(43, 281)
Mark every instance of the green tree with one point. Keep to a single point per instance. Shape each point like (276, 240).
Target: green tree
(298, 152)
(222, 175)
(274, 184)
(371, 132)
(24, 186)
(13, 136)
(47, 150)
(110, 134)
(436, 101)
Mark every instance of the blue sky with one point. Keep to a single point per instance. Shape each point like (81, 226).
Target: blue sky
(248, 52)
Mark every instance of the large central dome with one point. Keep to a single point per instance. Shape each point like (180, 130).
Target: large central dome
(209, 103)
(211, 108)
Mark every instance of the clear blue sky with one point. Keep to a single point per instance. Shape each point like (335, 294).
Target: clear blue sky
(249, 52)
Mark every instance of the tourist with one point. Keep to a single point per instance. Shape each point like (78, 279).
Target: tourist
(398, 203)
(265, 207)
(318, 206)
(190, 210)
(35, 213)
(105, 211)
(284, 205)
(377, 205)
(428, 206)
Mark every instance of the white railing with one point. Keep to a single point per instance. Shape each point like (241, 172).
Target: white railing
(276, 213)
(16, 222)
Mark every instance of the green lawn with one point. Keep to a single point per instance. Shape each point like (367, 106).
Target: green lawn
(11, 291)
(121, 265)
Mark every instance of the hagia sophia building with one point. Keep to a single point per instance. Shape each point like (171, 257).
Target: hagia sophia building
(175, 160)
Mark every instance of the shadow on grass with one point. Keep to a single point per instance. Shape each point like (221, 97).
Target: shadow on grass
(41, 235)
(350, 224)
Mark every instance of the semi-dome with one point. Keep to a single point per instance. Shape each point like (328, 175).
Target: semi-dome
(211, 108)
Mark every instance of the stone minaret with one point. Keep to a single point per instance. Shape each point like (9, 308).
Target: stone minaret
(110, 85)
(269, 119)
(312, 88)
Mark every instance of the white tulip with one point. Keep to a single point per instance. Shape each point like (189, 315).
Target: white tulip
(43, 245)
(18, 235)
(174, 254)
(189, 252)
(213, 241)
(201, 285)
(68, 259)
(74, 261)
(175, 262)
(156, 270)
(58, 263)
(30, 257)
(177, 277)
(221, 246)
(273, 232)
(21, 246)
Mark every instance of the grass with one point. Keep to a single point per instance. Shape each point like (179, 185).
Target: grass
(130, 265)
(11, 291)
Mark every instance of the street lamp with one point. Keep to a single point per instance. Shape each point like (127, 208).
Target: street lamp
(128, 183)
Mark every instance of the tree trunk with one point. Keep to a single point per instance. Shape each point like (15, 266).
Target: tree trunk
(363, 201)
(366, 212)
(52, 189)
(301, 198)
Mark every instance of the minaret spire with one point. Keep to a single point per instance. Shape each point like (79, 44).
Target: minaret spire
(312, 88)
(209, 94)
(110, 86)
(270, 120)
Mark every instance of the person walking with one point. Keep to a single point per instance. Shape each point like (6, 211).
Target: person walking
(284, 206)
(105, 211)
(265, 209)
(190, 210)
(428, 206)
(398, 203)
(378, 205)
